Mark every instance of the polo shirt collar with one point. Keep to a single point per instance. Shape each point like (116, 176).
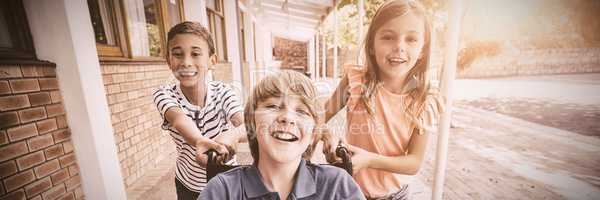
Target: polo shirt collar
(207, 99)
(252, 183)
(304, 186)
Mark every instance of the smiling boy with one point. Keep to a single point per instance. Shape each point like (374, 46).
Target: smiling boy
(280, 117)
(195, 112)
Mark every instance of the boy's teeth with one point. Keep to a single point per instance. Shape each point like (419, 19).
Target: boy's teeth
(285, 136)
(187, 73)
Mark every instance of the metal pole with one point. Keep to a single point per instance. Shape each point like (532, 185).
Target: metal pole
(359, 40)
(335, 44)
(324, 58)
(447, 91)
(317, 49)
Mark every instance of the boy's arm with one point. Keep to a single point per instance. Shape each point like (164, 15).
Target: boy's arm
(235, 135)
(190, 133)
(234, 113)
(238, 122)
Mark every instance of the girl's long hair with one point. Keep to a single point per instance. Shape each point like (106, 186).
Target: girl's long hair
(388, 11)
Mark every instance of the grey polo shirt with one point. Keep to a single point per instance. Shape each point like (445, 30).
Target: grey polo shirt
(312, 182)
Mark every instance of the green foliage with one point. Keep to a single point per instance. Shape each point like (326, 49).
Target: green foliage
(477, 49)
(154, 39)
(348, 19)
(588, 20)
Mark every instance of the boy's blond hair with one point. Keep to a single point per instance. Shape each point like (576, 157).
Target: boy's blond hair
(284, 83)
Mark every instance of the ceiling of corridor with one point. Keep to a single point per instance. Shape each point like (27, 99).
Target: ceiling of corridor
(292, 19)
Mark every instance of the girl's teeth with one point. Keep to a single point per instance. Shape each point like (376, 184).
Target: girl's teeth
(284, 136)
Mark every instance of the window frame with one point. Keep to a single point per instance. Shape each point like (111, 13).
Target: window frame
(254, 40)
(108, 53)
(167, 18)
(21, 39)
(117, 17)
(242, 36)
(210, 14)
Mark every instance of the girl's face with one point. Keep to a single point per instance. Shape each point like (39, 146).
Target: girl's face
(398, 43)
(189, 59)
(284, 128)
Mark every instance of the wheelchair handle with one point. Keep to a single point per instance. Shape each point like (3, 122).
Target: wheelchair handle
(212, 156)
(343, 153)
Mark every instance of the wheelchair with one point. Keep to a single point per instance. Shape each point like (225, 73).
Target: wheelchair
(213, 168)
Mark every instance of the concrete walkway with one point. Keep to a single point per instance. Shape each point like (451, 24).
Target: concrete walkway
(491, 155)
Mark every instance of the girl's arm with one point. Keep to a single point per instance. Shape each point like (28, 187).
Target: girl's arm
(338, 100)
(408, 165)
(333, 105)
(417, 146)
(190, 133)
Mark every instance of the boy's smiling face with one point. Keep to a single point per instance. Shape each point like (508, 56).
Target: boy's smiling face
(284, 128)
(189, 59)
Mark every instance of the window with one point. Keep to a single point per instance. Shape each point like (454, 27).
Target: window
(242, 34)
(108, 30)
(254, 40)
(144, 27)
(216, 26)
(175, 15)
(144, 33)
(15, 38)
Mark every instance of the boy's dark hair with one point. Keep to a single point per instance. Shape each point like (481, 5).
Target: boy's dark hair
(192, 28)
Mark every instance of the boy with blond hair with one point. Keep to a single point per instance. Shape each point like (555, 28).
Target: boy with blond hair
(280, 118)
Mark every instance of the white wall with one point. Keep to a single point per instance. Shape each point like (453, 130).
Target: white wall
(267, 39)
(311, 58)
(195, 10)
(233, 44)
(63, 34)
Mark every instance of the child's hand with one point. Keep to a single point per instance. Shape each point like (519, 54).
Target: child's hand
(360, 158)
(229, 140)
(204, 145)
(330, 143)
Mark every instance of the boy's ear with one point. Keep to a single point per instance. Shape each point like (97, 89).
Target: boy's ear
(168, 60)
(212, 60)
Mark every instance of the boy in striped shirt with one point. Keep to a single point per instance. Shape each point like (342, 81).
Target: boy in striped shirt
(197, 113)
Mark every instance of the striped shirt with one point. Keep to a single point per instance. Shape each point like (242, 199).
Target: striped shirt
(220, 103)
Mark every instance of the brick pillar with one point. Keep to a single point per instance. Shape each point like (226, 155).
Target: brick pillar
(36, 154)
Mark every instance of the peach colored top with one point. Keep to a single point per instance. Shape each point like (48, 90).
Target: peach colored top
(387, 133)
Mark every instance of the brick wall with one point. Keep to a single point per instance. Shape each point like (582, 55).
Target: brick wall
(293, 54)
(37, 160)
(141, 143)
(535, 62)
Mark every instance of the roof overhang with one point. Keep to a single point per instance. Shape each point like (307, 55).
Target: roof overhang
(292, 19)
